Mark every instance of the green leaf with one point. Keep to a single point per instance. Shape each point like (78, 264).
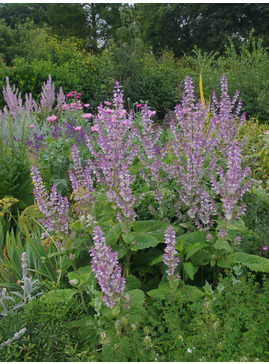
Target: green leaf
(132, 283)
(157, 260)
(149, 226)
(253, 262)
(58, 296)
(138, 241)
(190, 269)
(191, 238)
(191, 293)
(194, 248)
(112, 236)
(162, 291)
(223, 244)
(223, 263)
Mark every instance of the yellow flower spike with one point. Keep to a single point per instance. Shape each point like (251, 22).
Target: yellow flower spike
(202, 91)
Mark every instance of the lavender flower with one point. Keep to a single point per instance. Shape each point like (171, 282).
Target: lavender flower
(231, 185)
(60, 99)
(13, 100)
(151, 155)
(53, 205)
(193, 148)
(170, 258)
(81, 181)
(106, 269)
(47, 95)
(112, 152)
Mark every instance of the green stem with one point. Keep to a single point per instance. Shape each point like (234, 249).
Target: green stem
(83, 302)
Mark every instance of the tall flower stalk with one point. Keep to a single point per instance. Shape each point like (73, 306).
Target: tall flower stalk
(106, 269)
(151, 156)
(53, 206)
(169, 257)
(194, 159)
(112, 152)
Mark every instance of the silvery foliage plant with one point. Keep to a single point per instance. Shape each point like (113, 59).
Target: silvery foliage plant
(28, 287)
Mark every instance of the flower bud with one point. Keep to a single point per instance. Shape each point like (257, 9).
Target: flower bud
(73, 282)
(147, 340)
(146, 330)
(103, 336)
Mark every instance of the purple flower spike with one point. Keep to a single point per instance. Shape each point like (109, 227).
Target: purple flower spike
(106, 269)
(53, 205)
(169, 258)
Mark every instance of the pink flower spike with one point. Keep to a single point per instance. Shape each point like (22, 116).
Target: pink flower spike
(86, 105)
(107, 103)
(77, 128)
(31, 126)
(265, 247)
(87, 116)
(52, 118)
(94, 128)
(138, 106)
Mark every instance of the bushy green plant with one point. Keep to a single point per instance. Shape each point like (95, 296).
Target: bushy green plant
(245, 67)
(222, 325)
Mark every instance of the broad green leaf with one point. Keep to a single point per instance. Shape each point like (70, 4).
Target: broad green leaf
(58, 296)
(157, 260)
(223, 244)
(194, 248)
(162, 291)
(191, 238)
(237, 225)
(190, 293)
(253, 262)
(159, 293)
(112, 236)
(132, 283)
(139, 241)
(190, 269)
(137, 297)
(149, 226)
(223, 263)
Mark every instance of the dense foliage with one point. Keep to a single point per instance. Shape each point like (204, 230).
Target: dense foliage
(134, 224)
(146, 242)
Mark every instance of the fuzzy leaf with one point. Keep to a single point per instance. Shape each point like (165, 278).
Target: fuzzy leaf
(191, 238)
(194, 248)
(223, 244)
(149, 226)
(190, 269)
(253, 262)
(132, 283)
(18, 305)
(59, 296)
(191, 293)
(139, 241)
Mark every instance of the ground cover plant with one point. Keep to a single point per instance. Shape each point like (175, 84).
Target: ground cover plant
(143, 242)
